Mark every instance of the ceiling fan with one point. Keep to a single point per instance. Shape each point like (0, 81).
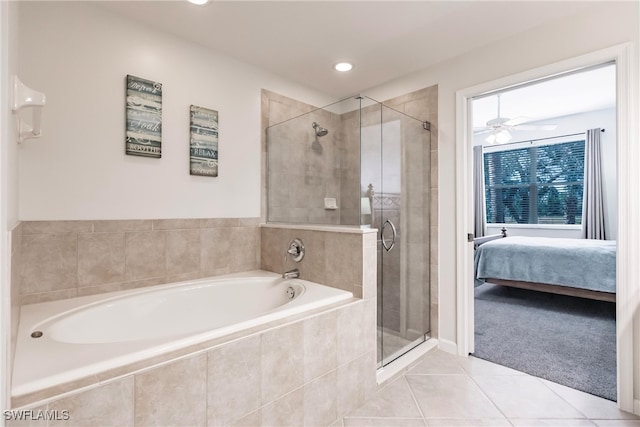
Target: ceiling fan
(499, 127)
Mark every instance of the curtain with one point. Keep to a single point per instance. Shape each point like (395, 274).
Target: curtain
(479, 207)
(592, 200)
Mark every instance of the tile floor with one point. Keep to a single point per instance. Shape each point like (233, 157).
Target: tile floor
(447, 390)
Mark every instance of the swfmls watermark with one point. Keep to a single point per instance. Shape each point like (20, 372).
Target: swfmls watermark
(36, 415)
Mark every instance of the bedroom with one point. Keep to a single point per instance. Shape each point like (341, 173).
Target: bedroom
(553, 296)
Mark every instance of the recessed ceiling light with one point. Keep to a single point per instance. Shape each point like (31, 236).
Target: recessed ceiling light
(343, 66)
(199, 2)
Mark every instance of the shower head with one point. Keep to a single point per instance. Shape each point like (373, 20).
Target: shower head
(320, 131)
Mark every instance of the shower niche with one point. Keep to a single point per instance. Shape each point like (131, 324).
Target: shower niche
(361, 163)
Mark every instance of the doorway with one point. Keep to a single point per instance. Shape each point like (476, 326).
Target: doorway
(627, 230)
(530, 149)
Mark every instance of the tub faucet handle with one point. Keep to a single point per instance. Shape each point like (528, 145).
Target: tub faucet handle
(293, 250)
(296, 250)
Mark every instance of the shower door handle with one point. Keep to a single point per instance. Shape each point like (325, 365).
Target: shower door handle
(393, 239)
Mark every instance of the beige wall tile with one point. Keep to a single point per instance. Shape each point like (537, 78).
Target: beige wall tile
(114, 226)
(271, 259)
(320, 341)
(245, 244)
(48, 296)
(369, 271)
(369, 324)
(433, 250)
(434, 169)
(434, 208)
(357, 292)
(57, 227)
(112, 255)
(173, 394)
(351, 335)
(310, 161)
(145, 254)
(286, 411)
(215, 250)
(343, 259)
(434, 300)
(100, 258)
(248, 222)
(234, 379)
(350, 387)
(219, 222)
(122, 286)
(182, 251)
(282, 361)
(252, 420)
(107, 405)
(172, 278)
(49, 262)
(313, 265)
(176, 224)
(320, 401)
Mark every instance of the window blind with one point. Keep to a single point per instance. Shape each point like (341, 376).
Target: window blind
(541, 184)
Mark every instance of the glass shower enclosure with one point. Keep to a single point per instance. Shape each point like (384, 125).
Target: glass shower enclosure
(361, 163)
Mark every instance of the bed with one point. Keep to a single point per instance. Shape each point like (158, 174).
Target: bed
(578, 267)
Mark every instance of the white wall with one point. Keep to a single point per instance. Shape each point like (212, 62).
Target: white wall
(9, 187)
(79, 55)
(577, 123)
(603, 25)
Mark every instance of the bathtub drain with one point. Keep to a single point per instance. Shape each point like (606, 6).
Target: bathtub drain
(36, 334)
(291, 292)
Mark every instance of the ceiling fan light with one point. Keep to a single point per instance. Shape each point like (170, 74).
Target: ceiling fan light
(491, 139)
(503, 136)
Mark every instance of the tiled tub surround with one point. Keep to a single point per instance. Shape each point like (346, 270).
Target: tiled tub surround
(88, 336)
(340, 256)
(309, 371)
(65, 259)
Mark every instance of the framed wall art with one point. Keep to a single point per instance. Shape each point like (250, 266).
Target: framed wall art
(203, 142)
(144, 117)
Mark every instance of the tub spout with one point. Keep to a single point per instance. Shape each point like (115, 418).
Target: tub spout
(291, 274)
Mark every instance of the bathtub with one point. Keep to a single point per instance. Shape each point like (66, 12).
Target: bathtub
(64, 341)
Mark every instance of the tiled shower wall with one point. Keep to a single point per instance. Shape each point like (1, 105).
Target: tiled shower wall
(304, 169)
(350, 168)
(419, 264)
(64, 259)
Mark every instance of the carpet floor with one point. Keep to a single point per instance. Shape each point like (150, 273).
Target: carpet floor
(567, 340)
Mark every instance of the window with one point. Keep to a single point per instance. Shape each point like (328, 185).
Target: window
(535, 185)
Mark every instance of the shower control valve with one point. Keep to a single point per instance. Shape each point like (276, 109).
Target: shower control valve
(296, 250)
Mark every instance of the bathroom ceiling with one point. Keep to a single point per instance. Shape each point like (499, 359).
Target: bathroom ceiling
(385, 40)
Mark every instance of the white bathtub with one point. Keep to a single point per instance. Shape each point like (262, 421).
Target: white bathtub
(82, 337)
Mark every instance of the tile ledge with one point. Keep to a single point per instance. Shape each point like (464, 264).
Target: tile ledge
(354, 229)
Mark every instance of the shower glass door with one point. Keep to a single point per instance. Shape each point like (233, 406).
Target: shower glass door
(396, 178)
(360, 163)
